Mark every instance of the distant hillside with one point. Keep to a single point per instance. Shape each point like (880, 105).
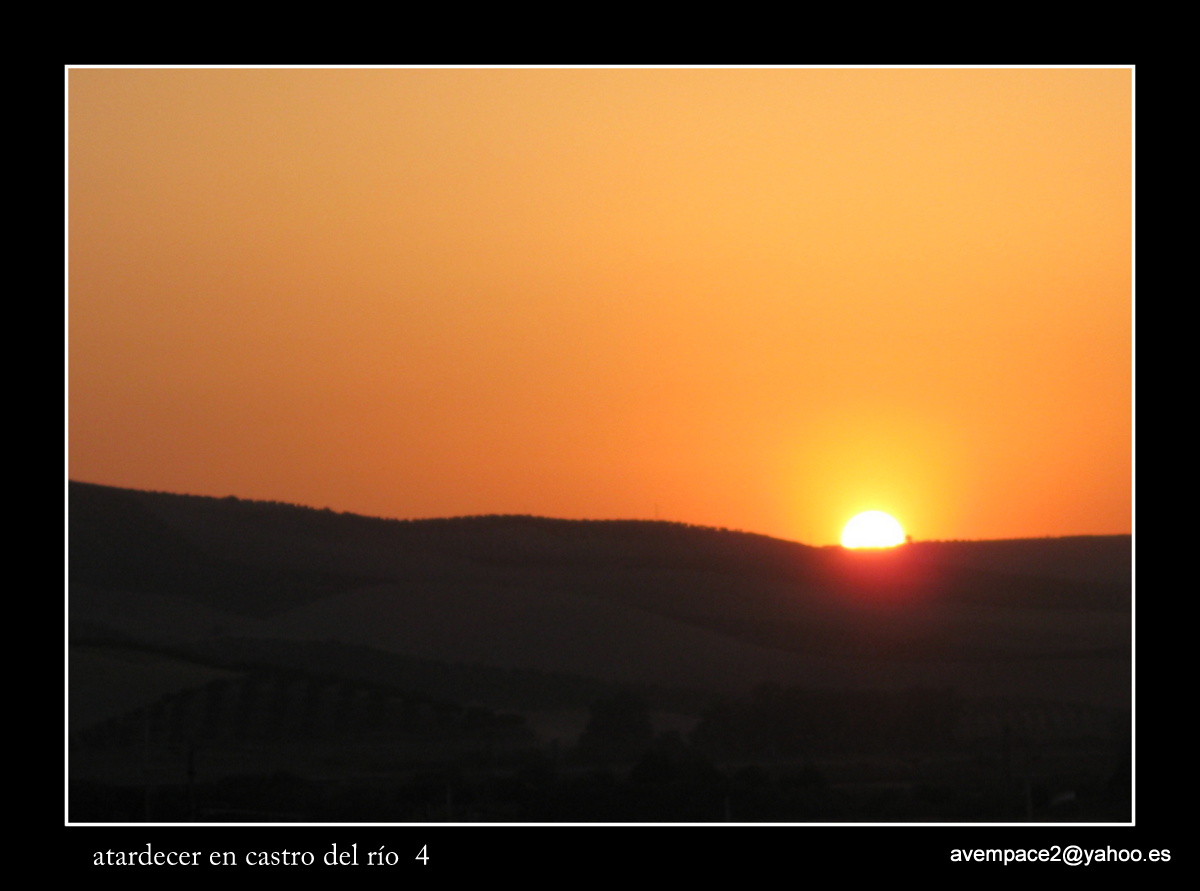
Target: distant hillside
(259, 557)
(1105, 560)
(622, 601)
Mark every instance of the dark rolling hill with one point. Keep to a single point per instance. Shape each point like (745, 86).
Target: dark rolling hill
(235, 625)
(634, 601)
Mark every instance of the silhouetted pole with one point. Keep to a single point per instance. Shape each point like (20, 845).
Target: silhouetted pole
(191, 781)
(146, 765)
(1006, 752)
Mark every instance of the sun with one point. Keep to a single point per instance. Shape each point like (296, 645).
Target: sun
(872, 529)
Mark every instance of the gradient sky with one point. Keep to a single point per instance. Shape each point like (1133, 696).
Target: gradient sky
(764, 299)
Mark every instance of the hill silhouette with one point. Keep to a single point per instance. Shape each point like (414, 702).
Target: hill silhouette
(173, 594)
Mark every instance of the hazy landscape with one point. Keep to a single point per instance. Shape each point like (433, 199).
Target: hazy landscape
(246, 661)
(466, 456)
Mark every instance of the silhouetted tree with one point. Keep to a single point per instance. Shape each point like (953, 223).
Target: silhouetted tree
(619, 729)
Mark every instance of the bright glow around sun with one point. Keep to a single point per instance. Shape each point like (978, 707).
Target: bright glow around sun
(872, 529)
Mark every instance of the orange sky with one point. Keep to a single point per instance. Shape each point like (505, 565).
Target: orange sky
(764, 299)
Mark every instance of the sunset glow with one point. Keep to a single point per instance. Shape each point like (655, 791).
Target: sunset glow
(756, 299)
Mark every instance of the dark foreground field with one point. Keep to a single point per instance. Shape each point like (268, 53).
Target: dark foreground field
(234, 661)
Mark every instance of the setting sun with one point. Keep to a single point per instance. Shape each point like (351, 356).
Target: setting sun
(872, 529)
